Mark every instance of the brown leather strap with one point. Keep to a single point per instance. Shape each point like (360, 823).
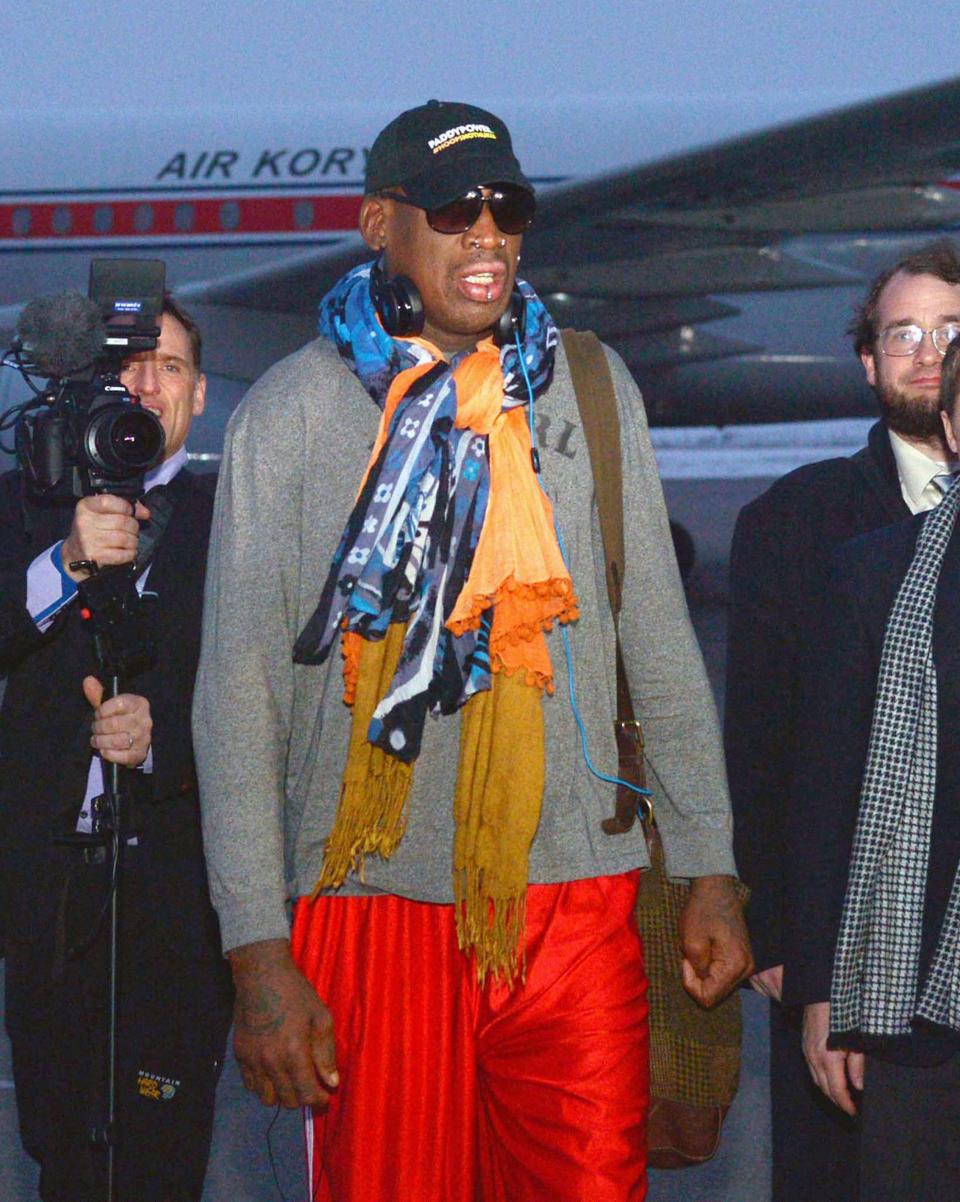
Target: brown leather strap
(597, 403)
(630, 763)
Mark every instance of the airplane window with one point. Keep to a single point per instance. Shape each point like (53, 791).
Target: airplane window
(62, 220)
(183, 217)
(103, 219)
(143, 218)
(303, 214)
(229, 215)
(21, 222)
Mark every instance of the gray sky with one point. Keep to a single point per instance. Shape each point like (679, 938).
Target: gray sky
(183, 54)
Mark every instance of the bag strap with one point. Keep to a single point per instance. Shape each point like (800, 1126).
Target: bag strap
(597, 402)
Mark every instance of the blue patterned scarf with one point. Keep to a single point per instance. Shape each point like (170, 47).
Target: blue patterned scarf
(408, 545)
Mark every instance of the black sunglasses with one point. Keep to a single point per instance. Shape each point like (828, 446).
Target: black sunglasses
(512, 207)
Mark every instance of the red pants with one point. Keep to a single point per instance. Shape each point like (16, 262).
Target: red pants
(455, 1093)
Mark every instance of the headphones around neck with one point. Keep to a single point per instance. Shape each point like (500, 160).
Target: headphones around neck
(400, 308)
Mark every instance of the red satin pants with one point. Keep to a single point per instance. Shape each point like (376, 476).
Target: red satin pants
(452, 1092)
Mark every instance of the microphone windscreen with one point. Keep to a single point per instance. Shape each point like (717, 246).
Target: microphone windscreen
(61, 334)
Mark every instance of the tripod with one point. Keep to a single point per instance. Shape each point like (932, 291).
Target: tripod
(119, 620)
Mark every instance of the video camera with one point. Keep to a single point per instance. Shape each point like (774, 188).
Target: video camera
(85, 433)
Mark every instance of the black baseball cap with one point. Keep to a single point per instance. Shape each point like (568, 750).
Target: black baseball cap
(440, 150)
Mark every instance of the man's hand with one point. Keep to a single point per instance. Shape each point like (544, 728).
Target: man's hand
(769, 982)
(122, 726)
(833, 1070)
(713, 935)
(104, 530)
(283, 1033)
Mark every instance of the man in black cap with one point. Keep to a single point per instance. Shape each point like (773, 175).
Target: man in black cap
(459, 908)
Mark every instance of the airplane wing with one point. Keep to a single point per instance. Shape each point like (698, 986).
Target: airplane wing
(648, 255)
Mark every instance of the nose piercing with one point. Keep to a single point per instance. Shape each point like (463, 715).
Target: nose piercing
(475, 243)
(502, 243)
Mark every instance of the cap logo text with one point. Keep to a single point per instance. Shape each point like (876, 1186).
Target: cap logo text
(460, 133)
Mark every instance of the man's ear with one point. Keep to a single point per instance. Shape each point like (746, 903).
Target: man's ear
(199, 395)
(373, 222)
(870, 367)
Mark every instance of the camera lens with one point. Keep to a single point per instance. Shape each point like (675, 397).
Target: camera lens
(123, 439)
(136, 439)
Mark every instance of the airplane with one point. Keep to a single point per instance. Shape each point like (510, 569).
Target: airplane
(256, 220)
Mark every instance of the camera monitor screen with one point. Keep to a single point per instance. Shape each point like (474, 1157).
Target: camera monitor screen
(129, 295)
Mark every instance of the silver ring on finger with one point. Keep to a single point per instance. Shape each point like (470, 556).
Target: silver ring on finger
(132, 741)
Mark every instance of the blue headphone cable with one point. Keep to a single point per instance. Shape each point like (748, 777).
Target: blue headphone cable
(568, 655)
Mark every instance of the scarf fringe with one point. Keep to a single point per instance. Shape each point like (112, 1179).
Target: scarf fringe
(517, 636)
(531, 677)
(371, 818)
(565, 611)
(491, 927)
(372, 810)
(523, 612)
(351, 645)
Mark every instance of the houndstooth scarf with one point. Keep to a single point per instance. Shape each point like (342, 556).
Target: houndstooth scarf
(876, 968)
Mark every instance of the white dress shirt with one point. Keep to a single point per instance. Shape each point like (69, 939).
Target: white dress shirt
(917, 472)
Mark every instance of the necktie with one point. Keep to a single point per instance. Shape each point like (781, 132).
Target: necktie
(160, 503)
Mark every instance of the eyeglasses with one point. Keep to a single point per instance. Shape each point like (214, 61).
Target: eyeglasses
(512, 207)
(906, 340)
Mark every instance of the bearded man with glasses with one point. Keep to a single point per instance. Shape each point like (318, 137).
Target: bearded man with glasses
(461, 1003)
(779, 574)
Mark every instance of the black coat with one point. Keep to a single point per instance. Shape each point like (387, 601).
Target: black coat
(832, 738)
(45, 720)
(779, 568)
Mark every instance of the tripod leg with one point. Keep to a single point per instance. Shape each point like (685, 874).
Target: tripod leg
(113, 782)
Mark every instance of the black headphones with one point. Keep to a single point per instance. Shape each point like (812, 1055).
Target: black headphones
(400, 308)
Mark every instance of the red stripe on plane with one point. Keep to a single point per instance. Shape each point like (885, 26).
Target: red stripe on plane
(146, 218)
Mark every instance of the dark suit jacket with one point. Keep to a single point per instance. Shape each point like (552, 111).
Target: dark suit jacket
(45, 720)
(832, 739)
(779, 566)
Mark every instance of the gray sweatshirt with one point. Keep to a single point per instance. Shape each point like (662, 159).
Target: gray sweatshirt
(271, 735)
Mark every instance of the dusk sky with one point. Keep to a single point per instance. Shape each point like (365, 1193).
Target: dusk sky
(183, 53)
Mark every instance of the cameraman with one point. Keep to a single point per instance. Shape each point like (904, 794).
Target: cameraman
(55, 732)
